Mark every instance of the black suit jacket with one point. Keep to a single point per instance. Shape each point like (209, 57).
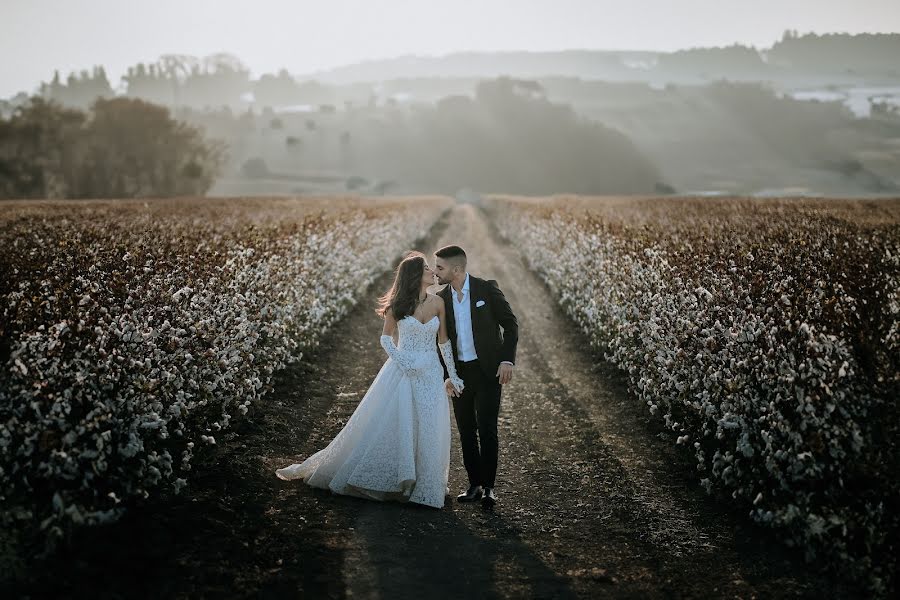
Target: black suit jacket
(491, 344)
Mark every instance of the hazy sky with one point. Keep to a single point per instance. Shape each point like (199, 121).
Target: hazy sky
(37, 36)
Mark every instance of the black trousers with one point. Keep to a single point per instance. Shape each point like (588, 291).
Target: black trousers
(476, 411)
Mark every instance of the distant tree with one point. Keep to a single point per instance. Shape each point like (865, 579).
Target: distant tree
(356, 182)
(838, 52)
(56, 87)
(511, 139)
(214, 80)
(122, 148)
(799, 132)
(179, 80)
(277, 90)
(39, 150)
(660, 187)
(144, 152)
(101, 78)
(726, 61)
(254, 168)
(80, 90)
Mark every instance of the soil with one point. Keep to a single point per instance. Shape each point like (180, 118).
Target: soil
(595, 499)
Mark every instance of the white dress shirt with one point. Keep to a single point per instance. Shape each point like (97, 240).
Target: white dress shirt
(462, 313)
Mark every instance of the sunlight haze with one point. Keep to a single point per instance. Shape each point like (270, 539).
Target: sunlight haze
(305, 37)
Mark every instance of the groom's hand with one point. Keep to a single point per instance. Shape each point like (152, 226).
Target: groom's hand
(505, 372)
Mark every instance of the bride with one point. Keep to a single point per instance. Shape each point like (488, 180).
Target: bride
(396, 445)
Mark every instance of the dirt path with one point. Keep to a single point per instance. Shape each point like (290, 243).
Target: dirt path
(591, 502)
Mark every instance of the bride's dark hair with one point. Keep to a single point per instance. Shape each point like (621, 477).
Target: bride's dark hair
(403, 296)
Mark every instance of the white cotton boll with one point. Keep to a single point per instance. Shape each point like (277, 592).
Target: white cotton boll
(75, 514)
(20, 366)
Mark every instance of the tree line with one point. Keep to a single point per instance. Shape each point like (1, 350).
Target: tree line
(222, 79)
(182, 80)
(837, 51)
(118, 148)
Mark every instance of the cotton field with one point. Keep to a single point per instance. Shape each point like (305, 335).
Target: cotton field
(762, 333)
(134, 332)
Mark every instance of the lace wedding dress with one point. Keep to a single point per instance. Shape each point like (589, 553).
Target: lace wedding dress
(396, 444)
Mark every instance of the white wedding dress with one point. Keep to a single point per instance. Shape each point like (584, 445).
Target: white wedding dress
(396, 444)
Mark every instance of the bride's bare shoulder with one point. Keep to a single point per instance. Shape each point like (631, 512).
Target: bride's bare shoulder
(436, 301)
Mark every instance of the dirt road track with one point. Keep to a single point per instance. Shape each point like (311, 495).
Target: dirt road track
(592, 504)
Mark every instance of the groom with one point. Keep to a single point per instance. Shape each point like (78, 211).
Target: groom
(476, 310)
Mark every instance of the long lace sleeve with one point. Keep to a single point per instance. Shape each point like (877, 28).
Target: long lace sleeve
(447, 353)
(402, 361)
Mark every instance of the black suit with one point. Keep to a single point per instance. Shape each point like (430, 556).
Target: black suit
(477, 408)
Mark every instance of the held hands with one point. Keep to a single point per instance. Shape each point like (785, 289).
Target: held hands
(505, 373)
(454, 386)
(448, 387)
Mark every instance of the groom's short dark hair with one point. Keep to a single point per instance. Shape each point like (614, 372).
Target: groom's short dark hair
(454, 253)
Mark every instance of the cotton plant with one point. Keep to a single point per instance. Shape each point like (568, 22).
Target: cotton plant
(764, 336)
(132, 343)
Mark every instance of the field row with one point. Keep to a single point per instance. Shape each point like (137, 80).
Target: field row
(764, 334)
(134, 332)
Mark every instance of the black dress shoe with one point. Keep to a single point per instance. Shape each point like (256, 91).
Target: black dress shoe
(471, 495)
(489, 498)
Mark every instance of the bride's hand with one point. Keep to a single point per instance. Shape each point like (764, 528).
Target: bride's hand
(448, 387)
